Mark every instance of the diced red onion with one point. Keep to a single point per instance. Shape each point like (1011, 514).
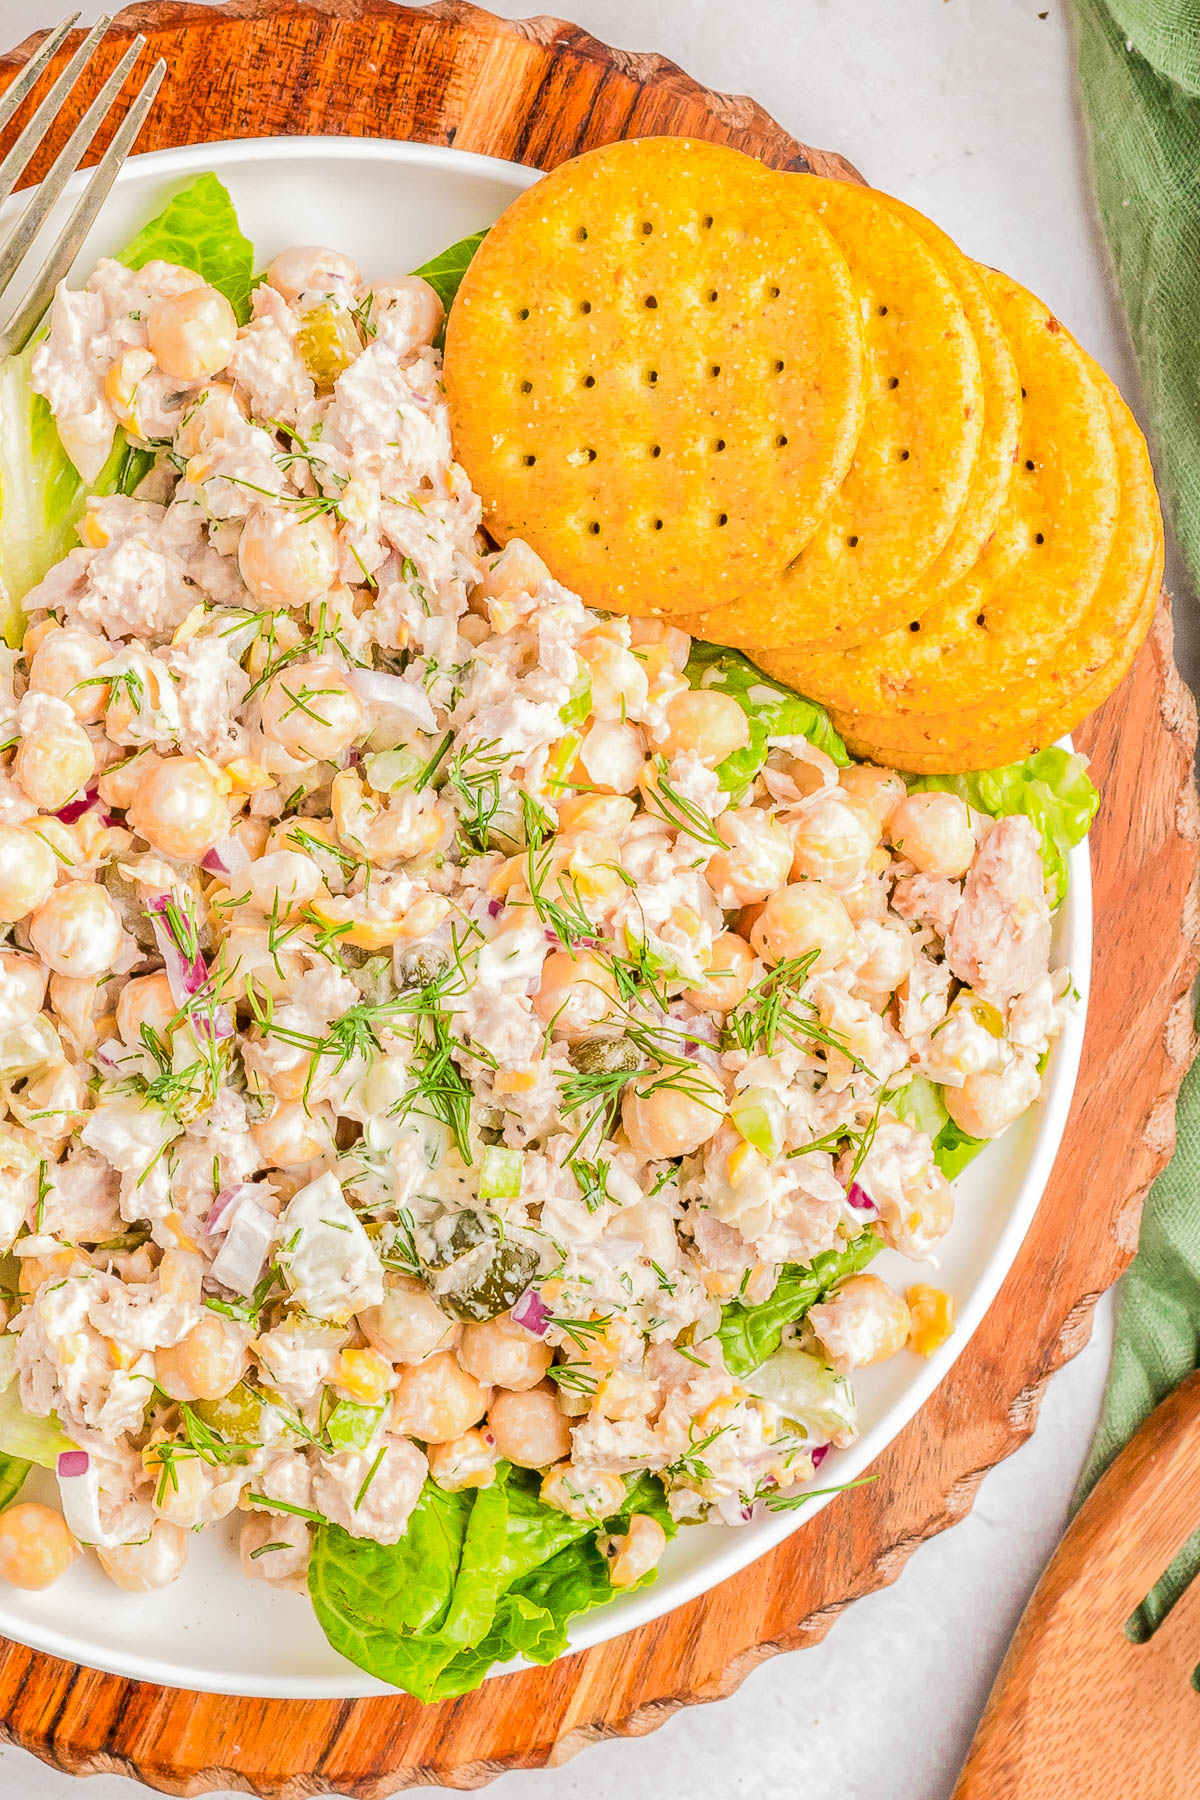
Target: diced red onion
(75, 809)
(378, 688)
(495, 908)
(532, 1312)
(220, 1213)
(73, 1462)
(859, 1199)
(227, 857)
(818, 1453)
(240, 1261)
(186, 978)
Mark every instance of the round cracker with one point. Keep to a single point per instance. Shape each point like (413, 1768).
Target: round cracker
(1086, 666)
(907, 485)
(997, 454)
(1003, 621)
(654, 368)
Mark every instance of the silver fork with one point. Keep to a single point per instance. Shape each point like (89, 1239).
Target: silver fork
(17, 240)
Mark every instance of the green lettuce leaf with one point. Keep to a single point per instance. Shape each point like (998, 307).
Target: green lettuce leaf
(480, 1576)
(198, 229)
(749, 1334)
(444, 272)
(12, 1478)
(773, 711)
(921, 1104)
(1053, 791)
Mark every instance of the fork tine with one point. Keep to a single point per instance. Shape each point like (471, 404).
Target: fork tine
(21, 328)
(14, 246)
(16, 90)
(22, 152)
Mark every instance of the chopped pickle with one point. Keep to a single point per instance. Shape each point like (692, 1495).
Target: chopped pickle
(329, 343)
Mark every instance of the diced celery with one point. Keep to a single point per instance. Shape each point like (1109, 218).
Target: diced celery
(579, 706)
(500, 1173)
(351, 1426)
(758, 1114)
(32, 1439)
(328, 342)
(809, 1392)
(388, 770)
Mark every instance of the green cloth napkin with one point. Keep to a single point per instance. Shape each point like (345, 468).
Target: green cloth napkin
(1139, 72)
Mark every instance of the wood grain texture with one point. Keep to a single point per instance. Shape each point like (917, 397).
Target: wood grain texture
(540, 91)
(1076, 1701)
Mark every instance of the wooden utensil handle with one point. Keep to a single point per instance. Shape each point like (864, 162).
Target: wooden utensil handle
(1080, 1711)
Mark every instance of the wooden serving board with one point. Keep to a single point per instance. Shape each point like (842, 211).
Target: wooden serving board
(538, 92)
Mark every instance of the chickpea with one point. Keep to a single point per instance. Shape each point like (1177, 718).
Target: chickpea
(307, 269)
(78, 1005)
(611, 756)
(757, 861)
(987, 1103)
(412, 310)
(705, 723)
(77, 930)
(530, 1428)
(122, 380)
(281, 882)
(28, 871)
(605, 814)
(503, 1354)
(889, 956)
(409, 1324)
(119, 784)
(517, 570)
(804, 916)
(192, 334)
(436, 1400)
(729, 976)
(575, 993)
(205, 1364)
(935, 833)
(619, 684)
(635, 1552)
(64, 665)
(832, 839)
(179, 808)
(22, 989)
(287, 560)
(674, 1121)
(35, 1546)
(294, 1134)
(145, 1003)
(275, 1547)
(311, 711)
(154, 1563)
(877, 788)
(865, 1322)
(52, 1105)
(468, 1461)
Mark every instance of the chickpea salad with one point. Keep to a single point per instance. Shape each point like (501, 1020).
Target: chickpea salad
(459, 1051)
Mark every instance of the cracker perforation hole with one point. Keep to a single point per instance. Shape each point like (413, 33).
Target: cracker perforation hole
(894, 382)
(585, 306)
(650, 302)
(647, 227)
(981, 618)
(780, 441)
(588, 381)
(594, 527)
(714, 369)
(581, 234)
(719, 445)
(902, 455)
(1039, 537)
(651, 377)
(707, 221)
(915, 625)
(772, 293)
(527, 387)
(523, 313)
(852, 541)
(656, 449)
(712, 296)
(528, 460)
(657, 523)
(722, 519)
(881, 311)
(1029, 463)
(777, 366)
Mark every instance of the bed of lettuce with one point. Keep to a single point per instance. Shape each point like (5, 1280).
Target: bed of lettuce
(489, 1574)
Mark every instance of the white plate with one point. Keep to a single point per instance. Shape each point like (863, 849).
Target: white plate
(392, 206)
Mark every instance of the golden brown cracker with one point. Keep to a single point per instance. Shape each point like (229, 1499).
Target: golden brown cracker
(1090, 660)
(1006, 617)
(894, 513)
(654, 368)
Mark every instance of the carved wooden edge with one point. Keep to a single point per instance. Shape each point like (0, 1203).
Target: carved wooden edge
(558, 37)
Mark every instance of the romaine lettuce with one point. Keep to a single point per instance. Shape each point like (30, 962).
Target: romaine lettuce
(773, 711)
(1053, 791)
(749, 1334)
(444, 272)
(480, 1576)
(198, 229)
